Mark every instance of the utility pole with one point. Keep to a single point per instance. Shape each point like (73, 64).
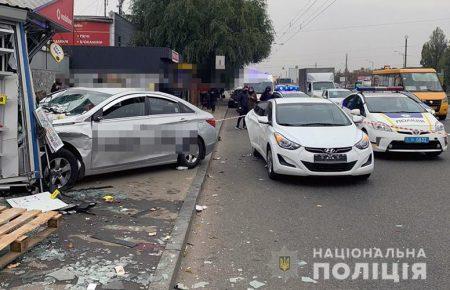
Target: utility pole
(105, 5)
(406, 52)
(346, 69)
(120, 6)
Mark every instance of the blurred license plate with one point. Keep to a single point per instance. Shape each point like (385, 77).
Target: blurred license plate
(330, 158)
(417, 140)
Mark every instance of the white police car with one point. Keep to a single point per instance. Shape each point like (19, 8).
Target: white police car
(396, 123)
(288, 91)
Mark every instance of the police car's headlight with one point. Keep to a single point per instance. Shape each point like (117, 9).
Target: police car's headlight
(285, 143)
(381, 126)
(439, 127)
(363, 143)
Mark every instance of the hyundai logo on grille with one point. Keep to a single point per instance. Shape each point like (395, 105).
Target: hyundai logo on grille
(329, 150)
(416, 132)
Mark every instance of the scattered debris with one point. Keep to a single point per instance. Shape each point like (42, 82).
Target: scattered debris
(308, 280)
(114, 285)
(55, 194)
(217, 158)
(62, 275)
(399, 226)
(207, 262)
(301, 263)
(239, 270)
(91, 286)
(40, 201)
(12, 266)
(181, 286)
(107, 238)
(120, 271)
(236, 279)
(319, 205)
(152, 234)
(180, 168)
(200, 285)
(256, 284)
(166, 238)
(188, 270)
(200, 208)
(108, 198)
(92, 188)
(214, 195)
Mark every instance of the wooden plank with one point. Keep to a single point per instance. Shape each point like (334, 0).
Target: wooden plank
(2, 208)
(7, 258)
(17, 222)
(43, 218)
(9, 214)
(54, 222)
(20, 245)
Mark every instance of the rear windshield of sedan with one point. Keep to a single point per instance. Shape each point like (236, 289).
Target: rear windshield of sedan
(295, 95)
(393, 105)
(338, 94)
(76, 102)
(311, 115)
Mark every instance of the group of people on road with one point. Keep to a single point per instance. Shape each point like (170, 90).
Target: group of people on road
(209, 99)
(247, 100)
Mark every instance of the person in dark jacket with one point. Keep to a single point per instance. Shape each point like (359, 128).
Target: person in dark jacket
(243, 107)
(267, 95)
(213, 96)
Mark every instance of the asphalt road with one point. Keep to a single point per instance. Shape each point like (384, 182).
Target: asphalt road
(251, 218)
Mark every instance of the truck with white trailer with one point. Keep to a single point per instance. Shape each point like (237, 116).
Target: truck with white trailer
(313, 81)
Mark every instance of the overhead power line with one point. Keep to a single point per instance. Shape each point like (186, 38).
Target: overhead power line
(294, 20)
(311, 20)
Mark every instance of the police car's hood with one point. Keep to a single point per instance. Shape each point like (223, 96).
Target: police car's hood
(421, 121)
(323, 137)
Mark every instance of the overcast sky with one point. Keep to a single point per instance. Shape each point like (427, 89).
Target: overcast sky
(332, 34)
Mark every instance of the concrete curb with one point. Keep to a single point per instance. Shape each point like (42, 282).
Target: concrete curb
(171, 257)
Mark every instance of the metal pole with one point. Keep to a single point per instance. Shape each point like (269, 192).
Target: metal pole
(406, 52)
(106, 4)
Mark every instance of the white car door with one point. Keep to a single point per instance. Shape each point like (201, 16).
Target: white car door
(116, 139)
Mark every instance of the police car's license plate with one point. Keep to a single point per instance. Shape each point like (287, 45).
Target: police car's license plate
(417, 140)
(330, 158)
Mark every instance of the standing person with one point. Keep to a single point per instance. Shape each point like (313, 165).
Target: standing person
(213, 96)
(57, 86)
(252, 99)
(267, 95)
(243, 107)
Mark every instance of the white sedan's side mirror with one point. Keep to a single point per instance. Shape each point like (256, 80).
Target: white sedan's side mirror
(263, 120)
(357, 119)
(356, 112)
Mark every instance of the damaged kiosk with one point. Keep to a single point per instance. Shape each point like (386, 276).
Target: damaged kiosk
(25, 28)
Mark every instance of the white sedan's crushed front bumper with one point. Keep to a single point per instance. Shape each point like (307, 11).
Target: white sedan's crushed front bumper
(301, 163)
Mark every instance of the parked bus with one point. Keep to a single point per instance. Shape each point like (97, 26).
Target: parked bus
(422, 82)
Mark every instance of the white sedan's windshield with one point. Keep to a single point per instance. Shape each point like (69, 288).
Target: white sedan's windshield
(393, 105)
(311, 115)
(76, 101)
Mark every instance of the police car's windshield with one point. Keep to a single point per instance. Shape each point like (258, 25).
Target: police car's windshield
(393, 105)
(311, 115)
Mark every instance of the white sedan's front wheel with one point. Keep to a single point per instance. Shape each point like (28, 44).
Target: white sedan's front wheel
(270, 172)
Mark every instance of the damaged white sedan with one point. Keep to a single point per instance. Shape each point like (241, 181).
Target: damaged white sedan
(106, 130)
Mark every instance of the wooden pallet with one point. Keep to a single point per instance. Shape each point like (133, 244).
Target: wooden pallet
(16, 223)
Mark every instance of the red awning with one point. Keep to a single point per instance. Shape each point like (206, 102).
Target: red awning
(59, 12)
